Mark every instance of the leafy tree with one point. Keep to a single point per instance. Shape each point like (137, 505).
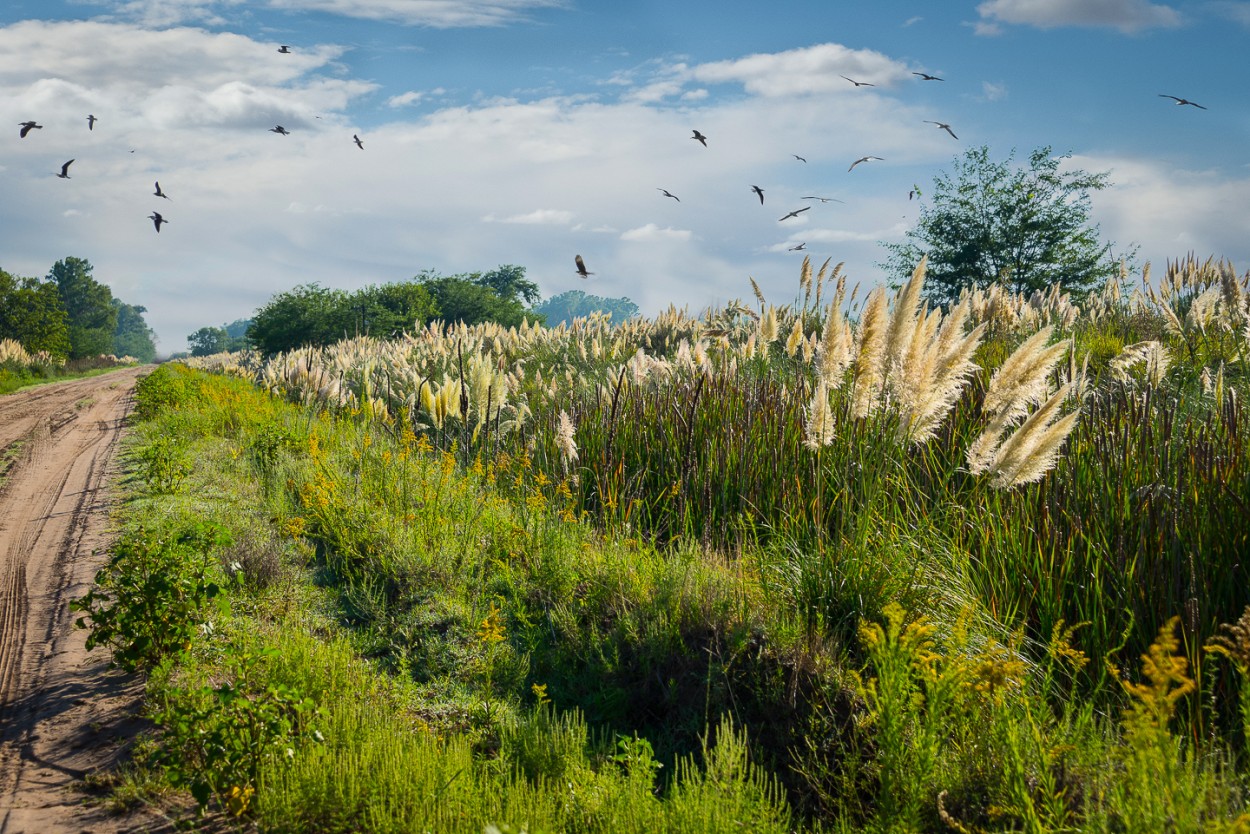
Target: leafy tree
(209, 340)
(237, 333)
(460, 299)
(133, 337)
(31, 313)
(387, 310)
(569, 305)
(92, 315)
(509, 283)
(991, 221)
(306, 315)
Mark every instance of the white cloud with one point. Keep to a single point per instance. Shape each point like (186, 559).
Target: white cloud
(413, 97)
(911, 21)
(1125, 15)
(652, 232)
(1237, 11)
(1169, 212)
(991, 91)
(435, 13)
(805, 71)
(538, 217)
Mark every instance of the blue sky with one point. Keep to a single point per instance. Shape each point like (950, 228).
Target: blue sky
(526, 131)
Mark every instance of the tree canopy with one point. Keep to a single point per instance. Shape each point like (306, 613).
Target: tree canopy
(569, 305)
(31, 313)
(89, 306)
(989, 221)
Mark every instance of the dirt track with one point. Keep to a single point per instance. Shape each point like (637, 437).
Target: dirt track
(63, 713)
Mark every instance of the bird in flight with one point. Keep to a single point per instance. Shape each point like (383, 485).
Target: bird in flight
(859, 83)
(760, 192)
(799, 158)
(668, 193)
(91, 120)
(795, 213)
(157, 220)
(1180, 101)
(702, 139)
(285, 50)
(27, 127)
(863, 159)
(924, 76)
(65, 170)
(359, 143)
(581, 266)
(824, 199)
(160, 193)
(280, 129)
(943, 126)
(798, 248)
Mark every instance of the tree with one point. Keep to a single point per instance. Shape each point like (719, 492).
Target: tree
(237, 333)
(31, 312)
(209, 340)
(509, 283)
(460, 299)
(388, 310)
(305, 315)
(569, 305)
(991, 221)
(133, 337)
(92, 316)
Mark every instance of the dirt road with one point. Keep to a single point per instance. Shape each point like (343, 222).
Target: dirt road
(63, 713)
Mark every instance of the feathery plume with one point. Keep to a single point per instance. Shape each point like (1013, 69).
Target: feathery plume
(565, 441)
(1021, 380)
(870, 354)
(820, 424)
(759, 296)
(796, 336)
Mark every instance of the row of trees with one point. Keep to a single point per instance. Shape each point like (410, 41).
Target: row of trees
(71, 315)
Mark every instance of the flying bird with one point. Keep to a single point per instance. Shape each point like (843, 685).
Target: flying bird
(702, 139)
(798, 248)
(65, 170)
(91, 120)
(1180, 101)
(668, 193)
(157, 220)
(863, 159)
(799, 158)
(284, 49)
(160, 193)
(581, 266)
(359, 144)
(27, 127)
(943, 126)
(859, 83)
(280, 129)
(924, 76)
(760, 192)
(795, 213)
(824, 199)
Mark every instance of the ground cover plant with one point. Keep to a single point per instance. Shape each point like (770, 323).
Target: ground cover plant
(822, 566)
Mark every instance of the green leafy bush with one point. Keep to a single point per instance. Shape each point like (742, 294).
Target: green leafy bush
(152, 596)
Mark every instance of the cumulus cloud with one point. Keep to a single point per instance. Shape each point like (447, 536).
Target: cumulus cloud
(538, 217)
(805, 71)
(1125, 15)
(651, 232)
(413, 97)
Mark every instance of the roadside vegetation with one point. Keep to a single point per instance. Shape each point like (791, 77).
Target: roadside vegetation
(831, 564)
(18, 368)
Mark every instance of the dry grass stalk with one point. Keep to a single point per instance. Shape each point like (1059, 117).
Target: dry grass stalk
(1152, 354)
(1032, 449)
(835, 348)
(869, 364)
(819, 430)
(1021, 380)
(565, 441)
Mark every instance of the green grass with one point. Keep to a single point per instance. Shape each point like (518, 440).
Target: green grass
(864, 638)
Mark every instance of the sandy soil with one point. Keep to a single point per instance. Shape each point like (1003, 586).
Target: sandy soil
(63, 713)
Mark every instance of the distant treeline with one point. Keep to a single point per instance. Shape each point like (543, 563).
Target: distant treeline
(314, 315)
(70, 315)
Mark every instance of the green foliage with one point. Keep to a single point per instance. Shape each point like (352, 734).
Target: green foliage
(31, 313)
(92, 315)
(153, 595)
(305, 315)
(461, 299)
(990, 222)
(218, 739)
(209, 340)
(566, 306)
(133, 337)
(163, 463)
(158, 391)
(509, 283)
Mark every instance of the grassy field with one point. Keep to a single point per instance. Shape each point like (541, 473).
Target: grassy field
(19, 369)
(837, 564)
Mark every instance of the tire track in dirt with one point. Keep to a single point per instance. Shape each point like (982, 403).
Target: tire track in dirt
(63, 713)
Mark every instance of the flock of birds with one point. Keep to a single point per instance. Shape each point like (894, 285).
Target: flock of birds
(158, 219)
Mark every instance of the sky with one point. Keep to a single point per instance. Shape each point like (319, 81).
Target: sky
(527, 131)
